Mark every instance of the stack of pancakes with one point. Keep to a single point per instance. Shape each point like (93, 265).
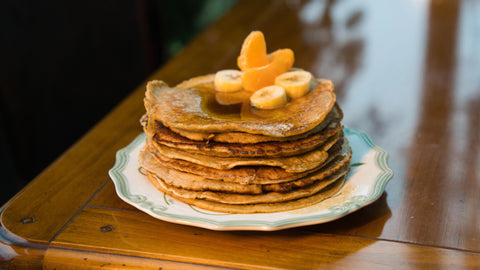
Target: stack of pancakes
(238, 159)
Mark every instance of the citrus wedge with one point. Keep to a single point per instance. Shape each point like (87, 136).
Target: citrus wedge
(254, 52)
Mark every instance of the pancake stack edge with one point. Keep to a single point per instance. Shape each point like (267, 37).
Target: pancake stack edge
(242, 172)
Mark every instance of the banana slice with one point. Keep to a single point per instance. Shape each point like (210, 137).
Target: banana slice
(296, 83)
(228, 80)
(269, 97)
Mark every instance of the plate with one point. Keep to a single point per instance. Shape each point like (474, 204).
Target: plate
(366, 181)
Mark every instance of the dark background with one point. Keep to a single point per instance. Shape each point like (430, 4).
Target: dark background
(65, 64)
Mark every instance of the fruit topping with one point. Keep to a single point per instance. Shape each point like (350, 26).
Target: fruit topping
(260, 69)
(254, 52)
(296, 83)
(269, 97)
(228, 80)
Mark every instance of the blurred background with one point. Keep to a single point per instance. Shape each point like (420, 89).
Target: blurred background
(65, 64)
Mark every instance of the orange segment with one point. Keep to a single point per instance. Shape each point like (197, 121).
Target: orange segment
(257, 78)
(254, 52)
(285, 56)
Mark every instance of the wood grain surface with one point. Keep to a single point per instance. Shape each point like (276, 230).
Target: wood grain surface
(405, 73)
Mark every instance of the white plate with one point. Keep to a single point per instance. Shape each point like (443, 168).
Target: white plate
(366, 181)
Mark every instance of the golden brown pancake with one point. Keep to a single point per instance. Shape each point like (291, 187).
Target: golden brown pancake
(296, 163)
(190, 181)
(166, 137)
(247, 174)
(241, 137)
(195, 182)
(184, 108)
(325, 193)
(236, 198)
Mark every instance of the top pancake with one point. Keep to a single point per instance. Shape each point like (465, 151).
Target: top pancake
(336, 115)
(183, 107)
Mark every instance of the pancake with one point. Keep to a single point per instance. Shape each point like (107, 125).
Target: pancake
(331, 167)
(184, 108)
(296, 163)
(235, 198)
(190, 181)
(325, 193)
(241, 137)
(242, 175)
(246, 174)
(195, 182)
(166, 137)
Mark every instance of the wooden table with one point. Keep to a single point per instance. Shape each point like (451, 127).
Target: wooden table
(406, 73)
